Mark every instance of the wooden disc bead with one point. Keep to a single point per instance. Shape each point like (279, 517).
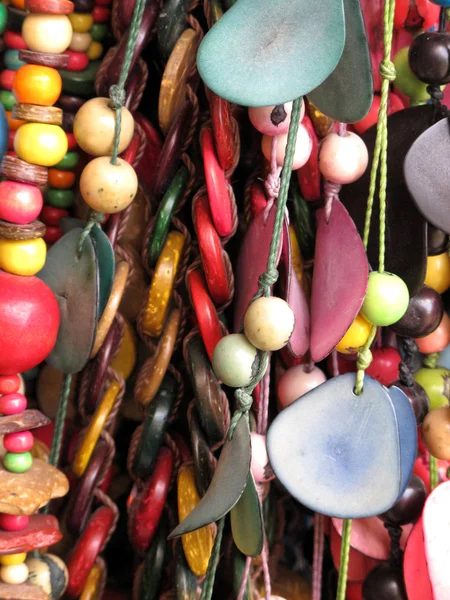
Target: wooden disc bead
(44, 59)
(29, 231)
(18, 170)
(37, 114)
(52, 7)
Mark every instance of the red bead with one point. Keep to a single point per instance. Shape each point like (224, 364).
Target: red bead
(51, 215)
(103, 2)
(71, 141)
(100, 14)
(21, 441)
(206, 314)
(223, 131)
(19, 202)
(11, 136)
(52, 234)
(146, 169)
(14, 40)
(415, 16)
(258, 198)
(29, 321)
(13, 522)
(12, 404)
(309, 175)
(9, 384)
(384, 365)
(78, 61)
(6, 79)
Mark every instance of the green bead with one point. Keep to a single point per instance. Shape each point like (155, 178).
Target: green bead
(60, 198)
(17, 462)
(406, 81)
(69, 162)
(7, 98)
(436, 383)
(170, 25)
(11, 60)
(3, 17)
(164, 215)
(98, 31)
(234, 360)
(386, 300)
(80, 83)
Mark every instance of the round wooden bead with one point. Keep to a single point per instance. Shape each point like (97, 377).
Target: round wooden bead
(12, 404)
(51, 7)
(273, 120)
(20, 441)
(435, 382)
(386, 300)
(234, 360)
(7, 78)
(80, 42)
(45, 59)
(13, 559)
(48, 572)
(69, 162)
(47, 33)
(296, 381)
(81, 22)
(33, 113)
(9, 384)
(100, 14)
(425, 311)
(19, 170)
(94, 51)
(17, 462)
(343, 158)
(355, 336)
(60, 198)
(78, 61)
(269, 323)
(7, 99)
(13, 522)
(22, 257)
(108, 188)
(14, 574)
(438, 339)
(40, 144)
(12, 61)
(438, 272)
(20, 202)
(14, 40)
(429, 57)
(405, 81)
(34, 84)
(94, 127)
(436, 432)
(303, 147)
(61, 180)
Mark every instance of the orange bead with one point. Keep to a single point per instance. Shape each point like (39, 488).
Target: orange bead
(62, 180)
(13, 124)
(438, 340)
(18, 3)
(35, 84)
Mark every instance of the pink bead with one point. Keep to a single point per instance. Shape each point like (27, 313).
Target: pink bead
(303, 147)
(21, 441)
(296, 382)
(261, 469)
(13, 522)
(343, 159)
(12, 404)
(9, 384)
(268, 122)
(19, 202)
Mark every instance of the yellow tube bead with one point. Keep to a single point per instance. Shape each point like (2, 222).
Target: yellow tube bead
(22, 257)
(197, 545)
(13, 559)
(40, 144)
(93, 584)
(81, 22)
(95, 50)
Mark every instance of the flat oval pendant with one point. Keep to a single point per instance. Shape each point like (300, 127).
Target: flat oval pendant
(325, 449)
(247, 524)
(436, 528)
(340, 278)
(106, 264)
(407, 429)
(415, 571)
(259, 52)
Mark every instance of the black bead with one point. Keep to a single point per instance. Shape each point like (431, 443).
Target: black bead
(423, 315)
(385, 582)
(429, 57)
(437, 241)
(418, 399)
(409, 506)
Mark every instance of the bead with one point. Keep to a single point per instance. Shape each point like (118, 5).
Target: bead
(81, 22)
(108, 188)
(19, 170)
(9, 384)
(6, 78)
(80, 42)
(409, 506)
(269, 323)
(13, 559)
(429, 57)
(436, 432)
(19, 202)
(40, 144)
(98, 31)
(45, 59)
(3, 17)
(51, 215)
(423, 316)
(355, 336)
(12, 404)
(100, 14)
(48, 572)
(93, 585)
(60, 198)
(303, 147)
(22, 257)
(13, 522)
(78, 61)
(14, 40)
(438, 339)
(21, 441)
(438, 272)
(386, 300)
(47, 33)
(406, 81)
(436, 383)
(13, 123)
(385, 365)
(51, 7)
(296, 381)
(273, 120)
(260, 466)
(94, 51)
(385, 581)
(7, 99)
(61, 180)
(205, 312)
(343, 159)
(12, 61)
(17, 463)
(418, 399)
(14, 574)
(34, 84)
(124, 359)
(94, 127)
(69, 162)
(234, 360)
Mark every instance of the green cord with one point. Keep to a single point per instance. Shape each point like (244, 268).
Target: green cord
(434, 474)
(343, 565)
(208, 584)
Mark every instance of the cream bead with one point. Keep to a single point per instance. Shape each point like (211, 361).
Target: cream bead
(303, 147)
(14, 574)
(108, 188)
(297, 381)
(273, 120)
(80, 42)
(234, 360)
(269, 323)
(94, 127)
(343, 159)
(260, 466)
(47, 33)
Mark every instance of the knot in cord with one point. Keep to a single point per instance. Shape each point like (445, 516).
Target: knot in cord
(267, 279)
(331, 192)
(243, 401)
(387, 70)
(364, 359)
(435, 92)
(117, 96)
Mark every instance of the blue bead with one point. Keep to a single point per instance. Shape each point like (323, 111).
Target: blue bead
(441, 2)
(12, 61)
(4, 131)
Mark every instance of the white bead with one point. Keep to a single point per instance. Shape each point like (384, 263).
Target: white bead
(343, 159)
(296, 381)
(264, 121)
(14, 574)
(269, 323)
(234, 360)
(303, 147)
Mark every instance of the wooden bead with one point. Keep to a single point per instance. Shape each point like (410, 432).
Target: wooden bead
(438, 272)
(20, 202)
(81, 22)
(34, 84)
(51, 7)
(273, 120)
(14, 232)
(13, 559)
(80, 42)
(78, 61)
(22, 257)
(18, 462)
(297, 381)
(93, 585)
(40, 144)
(33, 113)
(24, 172)
(94, 127)
(386, 300)
(20, 441)
(47, 33)
(108, 188)
(56, 61)
(61, 180)
(343, 158)
(95, 51)
(12, 404)
(436, 432)
(13, 522)
(48, 572)
(269, 323)
(9, 384)
(124, 359)
(438, 339)
(303, 147)
(355, 336)
(234, 360)
(14, 574)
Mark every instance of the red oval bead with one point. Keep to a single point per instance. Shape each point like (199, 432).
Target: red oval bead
(6, 79)
(51, 215)
(20, 441)
(223, 130)
(11, 136)
(385, 365)
(12, 404)
(14, 40)
(9, 384)
(52, 234)
(13, 522)
(206, 314)
(309, 175)
(78, 61)
(100, 14)
(19, 202)
(71, 141)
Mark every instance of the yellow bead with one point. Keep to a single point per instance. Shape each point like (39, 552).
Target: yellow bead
(197, 545)
(47, 33)
(297, 258)
(125, 359)
(356, 336)
(13, 559)
(162, 284)
(93, 584)
(438, 272)
(22, 257)
(14, 574)
(81, 22)
(95, 50)
(40, 144)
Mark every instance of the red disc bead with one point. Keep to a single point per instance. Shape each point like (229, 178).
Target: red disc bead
(51, 215)
(19, 202)
(205, 311)
(7, 78)
(78, 61)
(9, 384)
(52, 234)
(50, 7)
(13, 522)
(12, 404)
(20, 441)
(100, 14)
(223, 130)
(14, 40)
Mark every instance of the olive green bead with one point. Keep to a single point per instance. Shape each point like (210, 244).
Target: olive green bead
(170, 25)
(17, 462)
(98, 31)
(386, 300)
(405, 79)
(235, 360)
(7, 98)
(80, 83)
(59, 198)
(69, 162)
